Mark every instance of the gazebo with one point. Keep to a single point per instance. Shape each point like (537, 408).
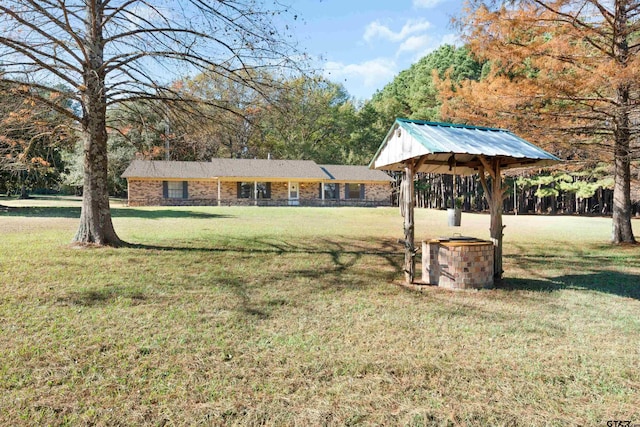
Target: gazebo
(413, 146)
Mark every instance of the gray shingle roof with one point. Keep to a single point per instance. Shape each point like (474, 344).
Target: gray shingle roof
(168, 170)
(355, 174)
(264, 169)
(258, 169)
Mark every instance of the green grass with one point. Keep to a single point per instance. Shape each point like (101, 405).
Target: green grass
(292, 316)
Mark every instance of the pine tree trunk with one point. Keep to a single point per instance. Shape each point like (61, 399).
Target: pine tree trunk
(96, 226)
(23, 185)
(622, 231)
(443, 193)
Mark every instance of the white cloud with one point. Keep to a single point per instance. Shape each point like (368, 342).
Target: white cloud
(451, 38)
(426, 4)
(378, 30)
(415, 44)
(370, 74)
(425, 45)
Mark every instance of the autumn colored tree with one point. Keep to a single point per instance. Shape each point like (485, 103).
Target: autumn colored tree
(143, 127)
(564, 74)
(31, 140)
(113, 51)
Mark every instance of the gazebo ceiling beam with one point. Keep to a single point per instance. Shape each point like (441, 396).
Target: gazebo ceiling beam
(421, 161)
(487, 166)
(468, 167)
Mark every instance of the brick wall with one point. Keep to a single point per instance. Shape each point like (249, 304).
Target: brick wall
(228, 190)
(309, 190)
(144, 192)
(378, 192)
(149, 193)
(203, 190)
(279, 191)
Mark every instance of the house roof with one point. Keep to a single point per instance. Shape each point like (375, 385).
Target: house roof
(347, 173)
(435, 143)
(252, 169)
(267, 169)
(168, 170)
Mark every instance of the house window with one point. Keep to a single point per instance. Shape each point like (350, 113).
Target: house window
(175, 189)
(246, 190)
(354, 191)
(263, 190)
(331, 191)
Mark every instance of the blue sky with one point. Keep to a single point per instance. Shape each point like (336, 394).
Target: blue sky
(363, 44)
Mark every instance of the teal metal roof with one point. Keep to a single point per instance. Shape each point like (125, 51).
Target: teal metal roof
(435, 143)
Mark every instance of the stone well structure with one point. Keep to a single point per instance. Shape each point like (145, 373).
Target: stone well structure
(458, 263)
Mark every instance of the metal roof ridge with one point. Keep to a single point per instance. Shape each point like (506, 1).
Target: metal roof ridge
(451, 125)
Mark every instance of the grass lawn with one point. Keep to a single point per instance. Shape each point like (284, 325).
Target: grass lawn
(290, 316)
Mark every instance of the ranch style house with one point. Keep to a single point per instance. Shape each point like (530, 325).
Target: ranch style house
(260, 182)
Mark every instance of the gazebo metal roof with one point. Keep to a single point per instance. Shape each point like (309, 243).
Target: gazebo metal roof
(450, 148)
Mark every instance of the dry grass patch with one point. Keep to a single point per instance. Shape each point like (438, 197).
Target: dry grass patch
(270, 316)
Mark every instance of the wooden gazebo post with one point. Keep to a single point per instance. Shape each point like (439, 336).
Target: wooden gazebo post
(407, 206)
(495, 197)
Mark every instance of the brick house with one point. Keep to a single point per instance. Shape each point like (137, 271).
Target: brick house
(255, 182)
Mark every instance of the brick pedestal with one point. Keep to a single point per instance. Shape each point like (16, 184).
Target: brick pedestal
(458, 264)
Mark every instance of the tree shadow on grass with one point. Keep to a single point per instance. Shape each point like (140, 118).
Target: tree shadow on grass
(610, 282)
(345, 257)
(74, 212)
(341, 270)
(102, 296)
(133, 295)
(345, 260)
(601, 267)
(587, 258)
(280, 247)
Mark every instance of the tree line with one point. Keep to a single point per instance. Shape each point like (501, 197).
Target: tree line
(548, 192)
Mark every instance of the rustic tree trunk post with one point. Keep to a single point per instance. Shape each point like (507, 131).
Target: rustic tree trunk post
(407, 202)
(497, 228)
(495, 198)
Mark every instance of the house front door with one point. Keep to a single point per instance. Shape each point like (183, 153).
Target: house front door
(294, 194)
